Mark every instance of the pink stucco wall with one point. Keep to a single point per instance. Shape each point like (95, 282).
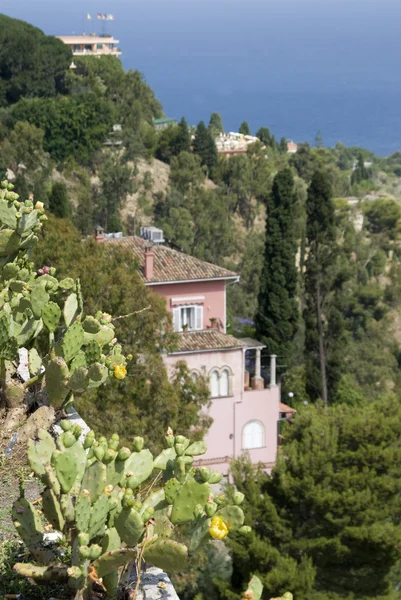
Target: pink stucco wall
(212, 291)
(231, 414)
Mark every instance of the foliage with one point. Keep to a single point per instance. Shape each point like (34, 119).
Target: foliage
(324, 328)
(304, 162)
(276, 317)
(215, 124)
(330, 509)
(90, 499)
(384, 216)
(172, 141)
(204, 145)
(58, 200)
(244, 128)
(73, 126)
(116, 183)
(186, 172)
(31, 63)
(360, 173)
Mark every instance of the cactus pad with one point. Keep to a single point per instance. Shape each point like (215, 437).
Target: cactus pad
(233, 516)
(199, 534)
(140, 464)
(113, 560)
(79, 380)
(95, 480)
(98, 516)
(27, 522)
(130, 526)
(51, 314)
(83, 512)
(56, 381)
(166, 554)
(165, 459)
(196, 449)
(93, 352)
(52, 509)
(72, 341)
(66, 469)
(34, 361)
(188, 497)
(71, 310)
(39, 299)
(39, 454)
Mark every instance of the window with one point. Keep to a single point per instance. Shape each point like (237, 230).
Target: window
(220, 382)
(253, 435)
(190, 316)
(194, 376)
(214, 384)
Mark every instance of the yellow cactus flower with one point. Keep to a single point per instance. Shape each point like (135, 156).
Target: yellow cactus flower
(218, 528)
(120, 372)
(39, 205)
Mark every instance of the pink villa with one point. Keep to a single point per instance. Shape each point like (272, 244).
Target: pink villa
(245, 412)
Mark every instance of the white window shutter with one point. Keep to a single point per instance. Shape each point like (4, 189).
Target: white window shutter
(214, 384)
(224, 383)
(176, 319)
(198, 317)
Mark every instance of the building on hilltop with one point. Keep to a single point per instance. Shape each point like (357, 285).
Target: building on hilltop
(292, 147)
(232, 144)
(245, 408)
(164, 122)
(91, 45)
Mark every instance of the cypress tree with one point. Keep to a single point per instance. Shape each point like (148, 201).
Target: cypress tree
(205, 146)
(324, 327)
(215, 124)
(244, 128)
(277, 314)
(183, 142)
(58, 200)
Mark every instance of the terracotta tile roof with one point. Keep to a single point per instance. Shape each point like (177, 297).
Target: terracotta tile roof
(169, 264)
(284, 408)
(193, 341)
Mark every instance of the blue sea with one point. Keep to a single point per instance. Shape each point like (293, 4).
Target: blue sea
(295, 66)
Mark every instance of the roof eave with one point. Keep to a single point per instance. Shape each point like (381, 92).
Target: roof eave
(205, 350)
(231, 277)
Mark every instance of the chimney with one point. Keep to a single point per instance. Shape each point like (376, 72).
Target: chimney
(149, 260)
(99, 234)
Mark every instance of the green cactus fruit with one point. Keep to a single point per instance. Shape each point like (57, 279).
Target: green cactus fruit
(171, 490)
(233, 516)
(76, 579)
(51, 314)
(130, 526)
(138, 443)
(113, 444)
(83, 539)
(199, 511)
(196, 449)
(115, 437)
(199, 534)
(79, 380)
(83, 513)
(221, 500)
(113, 560)
(166, 554)
(215, 477)
(180, 449)
(210, 508)
(27, 522)
(141, 464)
(127, 501)
(89, 439)
(40, 454)
(245, 529)
(39, 298)
(56, 379)
(95, 551)
(9, 242)
(204, 473)
(79, 360)
(91, 325)
(238, 498)
(95, 480)
(99, 452)
(170, 440)
(165, 460)
(67, 439)
(84, 552)
(66, 425)
(109, 456)
(52, 509)
(71, 309)
(66, 469)
(72, 341)
(124, 453)
(67, 507)
(189, 495)
(255, 589)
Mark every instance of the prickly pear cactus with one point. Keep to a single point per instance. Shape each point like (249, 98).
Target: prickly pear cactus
(81, 352)
(112, 507)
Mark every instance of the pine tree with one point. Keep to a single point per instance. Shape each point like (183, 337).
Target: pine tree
(277, 314)
(215, 124)
(244, 128)
(324, 327)
(58, 200)
(284, 145)
(360, 173)
(205, 146)
(326, 522)
(183, 141)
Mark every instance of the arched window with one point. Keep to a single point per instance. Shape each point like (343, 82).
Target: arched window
(224, 383)
(194, 376)
(253, 435)
(214, 384)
